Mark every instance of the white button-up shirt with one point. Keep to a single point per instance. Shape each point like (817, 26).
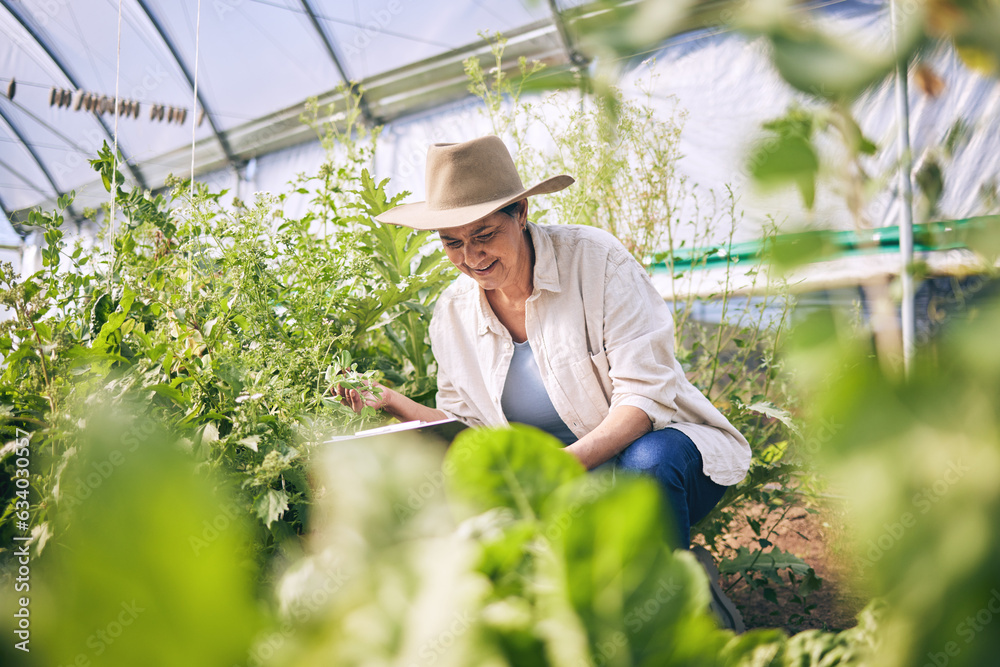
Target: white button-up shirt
(602, 337)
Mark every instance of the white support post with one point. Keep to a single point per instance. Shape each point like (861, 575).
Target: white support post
(906, 191)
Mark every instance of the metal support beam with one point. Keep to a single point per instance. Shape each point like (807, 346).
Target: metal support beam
(41, 165)
(362, 102)
(5, 210)
(19, 176)
(69, 142)
(50, 52)
(219, 135)
(572, 54)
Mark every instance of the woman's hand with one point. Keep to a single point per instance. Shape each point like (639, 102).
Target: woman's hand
(375, 396)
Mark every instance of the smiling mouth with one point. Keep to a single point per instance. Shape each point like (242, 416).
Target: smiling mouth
(485, 269)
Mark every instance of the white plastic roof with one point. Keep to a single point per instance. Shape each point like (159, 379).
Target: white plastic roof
(255, 58)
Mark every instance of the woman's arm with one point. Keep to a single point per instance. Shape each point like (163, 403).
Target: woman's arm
(623, 426)
(397, 405)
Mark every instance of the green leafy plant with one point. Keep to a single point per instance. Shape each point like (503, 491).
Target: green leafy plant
(228, 323)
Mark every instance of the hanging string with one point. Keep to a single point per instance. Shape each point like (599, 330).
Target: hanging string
(194, 125)
(114, 154)
(194, 102)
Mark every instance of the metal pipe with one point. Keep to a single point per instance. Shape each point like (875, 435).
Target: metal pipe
(6, 214)
(38, 161)
(338, 63)
(574, 57)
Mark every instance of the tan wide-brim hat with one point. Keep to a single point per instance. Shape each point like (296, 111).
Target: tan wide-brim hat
(466, 182)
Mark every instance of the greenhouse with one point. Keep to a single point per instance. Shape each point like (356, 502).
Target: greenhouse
(549, 332)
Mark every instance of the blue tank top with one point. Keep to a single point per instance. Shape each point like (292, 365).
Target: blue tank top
(524, 399)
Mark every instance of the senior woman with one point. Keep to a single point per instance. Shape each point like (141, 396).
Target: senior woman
(558, 326)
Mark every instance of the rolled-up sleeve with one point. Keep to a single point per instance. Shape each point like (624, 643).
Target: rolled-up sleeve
(449, 399)
(451, 403)
(639, 342)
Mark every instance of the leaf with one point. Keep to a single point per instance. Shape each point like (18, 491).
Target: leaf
(983, 238)
(41, 533)
(270, 505)
(516, 467)
(52, 236)
(768, 409)
(154, 545)
(281, 531)
(250, 442)
(624, 579)
(209, 433)
(978, 60)
(209, 327)
(826, 66)
(103, 307)
(553, 79)
(81, 356)
(767, 563)
(787, 159)
(44, 331)
(755, 648)
(930, 179)
(167, 391)
(31, 288)
(811, 582)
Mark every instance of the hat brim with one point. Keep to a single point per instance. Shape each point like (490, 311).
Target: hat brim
(419, 216)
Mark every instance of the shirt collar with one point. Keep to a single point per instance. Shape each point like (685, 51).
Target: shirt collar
(546, 278)
(546, 270)
(487, 320)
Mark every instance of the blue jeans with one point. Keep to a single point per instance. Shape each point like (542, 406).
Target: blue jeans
(674, 461)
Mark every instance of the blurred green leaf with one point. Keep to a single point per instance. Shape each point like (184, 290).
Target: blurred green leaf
(640, 602)
(788, 251)
(825, 66)
(787, 156)
(516, 467)
(554, 79)
(930, 179)
(983, 238)
(146, 551)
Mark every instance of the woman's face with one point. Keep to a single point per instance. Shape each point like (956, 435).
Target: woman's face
(493, 251)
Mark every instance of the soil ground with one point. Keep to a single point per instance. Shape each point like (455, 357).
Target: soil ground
(818, 539)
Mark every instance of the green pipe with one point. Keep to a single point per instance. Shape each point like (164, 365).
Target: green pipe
(824, 245)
